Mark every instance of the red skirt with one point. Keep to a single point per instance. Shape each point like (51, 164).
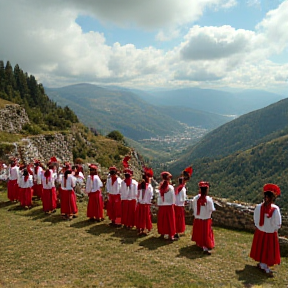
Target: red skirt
(95, 205)
(12, 190)
(180, 219)
(128, 212)
(114, 208)
(265, 248)
(26, 196)
(143, 217)
(49, 199)
(68, 202)
(166, 220)
(202, 233)
(38, 190)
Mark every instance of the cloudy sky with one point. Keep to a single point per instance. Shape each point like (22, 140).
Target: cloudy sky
(149, 43)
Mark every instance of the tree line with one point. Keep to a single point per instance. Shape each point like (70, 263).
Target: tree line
(23, 89)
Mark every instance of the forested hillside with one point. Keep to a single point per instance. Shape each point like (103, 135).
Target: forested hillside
(239, 157)
(241, 175)
(19, 87)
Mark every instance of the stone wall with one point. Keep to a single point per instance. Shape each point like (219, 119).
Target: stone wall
(43, 147)
(12, 118)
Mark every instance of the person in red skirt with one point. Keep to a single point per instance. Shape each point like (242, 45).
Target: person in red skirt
(12, 186)
(113, 185)
(143, 216)
(37, 177)
(203, 206)
(69, 207)
(180, 198)
(267, 218)
(129, 192)
(25, 189)
(93, 189)
(49, 195)
(166, 215)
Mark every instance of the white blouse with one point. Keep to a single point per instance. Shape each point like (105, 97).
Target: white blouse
(93, 186)
(129, 193)
(205, 211)
(271, 224)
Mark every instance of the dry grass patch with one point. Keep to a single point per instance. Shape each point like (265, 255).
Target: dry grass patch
(45, 251)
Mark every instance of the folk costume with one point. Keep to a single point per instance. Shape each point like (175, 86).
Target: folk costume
(143, 216)
(37, 178)
(69, 207)
(114, 198)
(49, 195)
(203, 206)
(25, 189)
(93, 189)
(129, 192)
(180, 198)
(166, 215)
(267, 218)
(12, 186)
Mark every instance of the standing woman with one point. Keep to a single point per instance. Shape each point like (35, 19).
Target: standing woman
(25, 189)
(166, 215)
(12, 186)
(143, 217)
(203, 207)
(37, 177)
(267, 218)
(113, 185)
(49, 196)
(93, 189)
(69, 208)
(129, 192)
(180, 198)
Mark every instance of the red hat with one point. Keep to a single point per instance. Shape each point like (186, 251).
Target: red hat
(125, 161)
(148, 172)
(166, 174)
(113, 168)
(269, 187)
(53, 159)
(128, 171)
(93, 167)
(203, 184)
(188, 170)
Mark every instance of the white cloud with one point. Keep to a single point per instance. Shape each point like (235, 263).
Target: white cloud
(45, 40)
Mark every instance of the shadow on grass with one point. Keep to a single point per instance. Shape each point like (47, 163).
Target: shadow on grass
(126, 236)
(153, 243)
(251, 276)
(192, 252)
(6, 204)
(82, 224)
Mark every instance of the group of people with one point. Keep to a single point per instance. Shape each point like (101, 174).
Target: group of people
(128, 203)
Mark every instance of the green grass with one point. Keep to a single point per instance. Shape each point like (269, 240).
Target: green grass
(44, 251)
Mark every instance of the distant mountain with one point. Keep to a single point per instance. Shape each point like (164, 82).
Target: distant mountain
(240, 134)
(195, 118)
(116, 108)
(214, 101)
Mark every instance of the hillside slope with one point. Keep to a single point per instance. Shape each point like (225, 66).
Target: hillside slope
(241, 175)
(241, 133)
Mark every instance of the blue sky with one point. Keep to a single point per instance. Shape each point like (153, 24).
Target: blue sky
(149, 44)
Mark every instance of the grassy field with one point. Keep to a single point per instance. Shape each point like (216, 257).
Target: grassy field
(37, 250)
